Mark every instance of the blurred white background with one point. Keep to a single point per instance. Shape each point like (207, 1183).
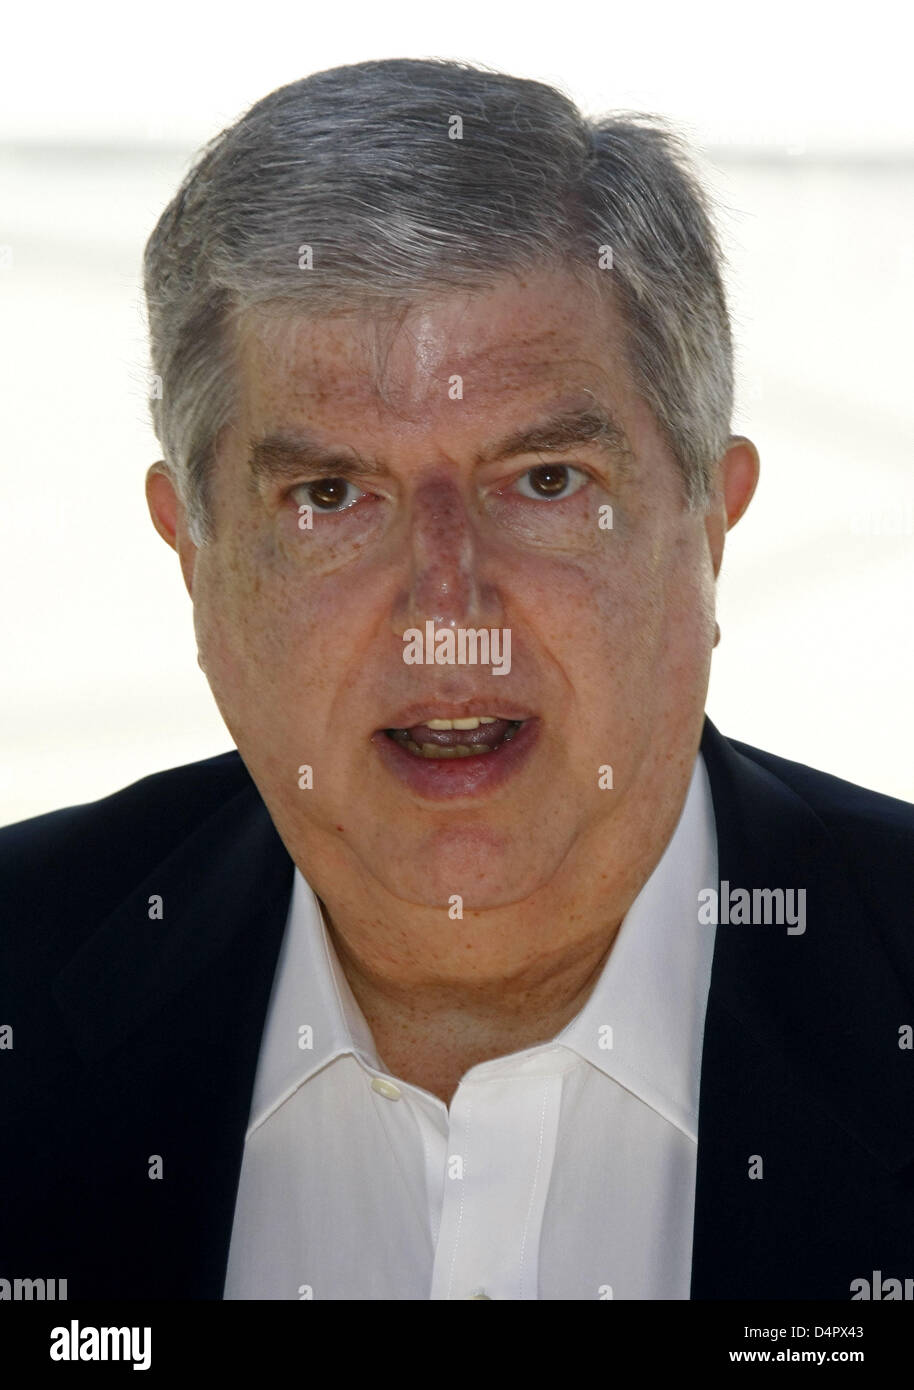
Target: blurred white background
(805, 128)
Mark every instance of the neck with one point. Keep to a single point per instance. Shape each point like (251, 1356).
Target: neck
(431, 1031)
(442, 995)
(490, 991)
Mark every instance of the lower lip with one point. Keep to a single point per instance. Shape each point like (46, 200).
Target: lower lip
(440, 779)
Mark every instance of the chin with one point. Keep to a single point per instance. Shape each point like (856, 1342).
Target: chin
(485, 869)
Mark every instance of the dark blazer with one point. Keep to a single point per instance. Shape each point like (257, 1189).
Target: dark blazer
(135, 1037)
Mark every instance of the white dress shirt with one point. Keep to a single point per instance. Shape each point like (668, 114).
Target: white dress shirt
(565, 1171)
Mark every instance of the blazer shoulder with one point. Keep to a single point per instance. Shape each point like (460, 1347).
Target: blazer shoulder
(81, 858)
(873, 839)
(845, 807)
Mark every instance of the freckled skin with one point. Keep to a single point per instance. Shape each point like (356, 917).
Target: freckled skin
(300, 636)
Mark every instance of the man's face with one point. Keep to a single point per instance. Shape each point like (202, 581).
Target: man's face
(301, 630)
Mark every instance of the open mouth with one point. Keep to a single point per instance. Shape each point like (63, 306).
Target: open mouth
(456, 738)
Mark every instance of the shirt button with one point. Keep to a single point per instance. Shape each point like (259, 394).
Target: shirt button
(385, 1088)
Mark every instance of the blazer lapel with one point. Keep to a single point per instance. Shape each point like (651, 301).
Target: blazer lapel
(801, 1067)
(167, 1015)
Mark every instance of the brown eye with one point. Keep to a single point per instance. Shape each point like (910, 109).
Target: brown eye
(548, 479)
(328, 494)
(550, 482)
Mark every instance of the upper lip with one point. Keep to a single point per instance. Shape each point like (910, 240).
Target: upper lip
(494, 704)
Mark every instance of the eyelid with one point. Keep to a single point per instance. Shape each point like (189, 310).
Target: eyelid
(307, 477)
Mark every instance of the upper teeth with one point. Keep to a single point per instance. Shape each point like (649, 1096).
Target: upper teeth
(460, 723)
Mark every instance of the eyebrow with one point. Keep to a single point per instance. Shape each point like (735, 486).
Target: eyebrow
(290, 453)
(591, 425)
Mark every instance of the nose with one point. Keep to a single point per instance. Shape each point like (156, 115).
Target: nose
(443, 582)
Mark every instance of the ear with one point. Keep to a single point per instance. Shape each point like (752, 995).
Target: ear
(169, 518)
(735, 483)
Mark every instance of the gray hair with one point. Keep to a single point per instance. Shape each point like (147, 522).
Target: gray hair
(361, 164)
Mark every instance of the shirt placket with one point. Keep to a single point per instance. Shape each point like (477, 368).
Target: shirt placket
(501, 1147)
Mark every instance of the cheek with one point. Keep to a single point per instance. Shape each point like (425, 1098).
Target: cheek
(275, 636)
(586, 603)
(626, 625)
(244, 617)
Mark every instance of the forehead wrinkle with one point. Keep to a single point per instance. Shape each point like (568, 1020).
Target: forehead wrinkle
(362, 367)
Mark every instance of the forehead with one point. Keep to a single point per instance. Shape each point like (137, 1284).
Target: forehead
(529, 336)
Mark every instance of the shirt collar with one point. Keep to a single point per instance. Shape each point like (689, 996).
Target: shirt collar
(652, 992)
(313, 1016)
